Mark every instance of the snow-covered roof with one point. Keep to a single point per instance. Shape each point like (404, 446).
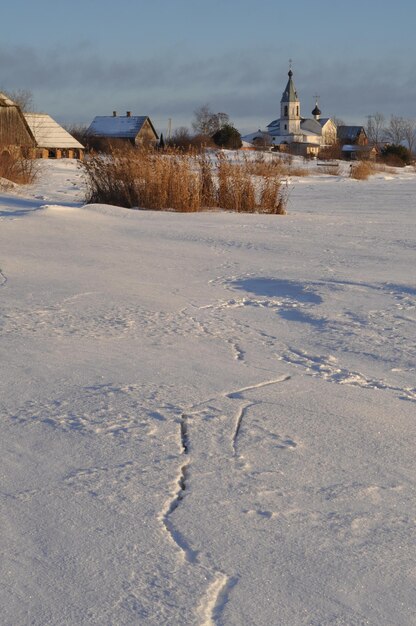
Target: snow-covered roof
(260, 134)
(311, 126)
(349, 132)
(323, 120)
(122, 127)
(274, 124)
(355, 148)
(48, 133)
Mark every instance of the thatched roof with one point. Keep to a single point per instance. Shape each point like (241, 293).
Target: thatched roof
(5, 101)
(14, 130)
(49, 134)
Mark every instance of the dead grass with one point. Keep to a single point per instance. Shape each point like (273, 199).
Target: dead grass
(382, 167)
(331, 170)
(180, 181)
(297, 171)
(273, 166)
(361, 170)
(16, 168)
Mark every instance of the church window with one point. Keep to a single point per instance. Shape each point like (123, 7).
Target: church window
(285, 126)
(285, 111)
(297, 110)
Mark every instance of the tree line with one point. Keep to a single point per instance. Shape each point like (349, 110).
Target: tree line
(209, 129)
(397, 130)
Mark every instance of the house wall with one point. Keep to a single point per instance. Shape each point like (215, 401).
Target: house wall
(304, 149)
(13, 131)
(362, 139)
(290, 116)
(57, 153)
(329, 133)
(146, 135)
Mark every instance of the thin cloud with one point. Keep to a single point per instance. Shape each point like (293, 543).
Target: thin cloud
(246, 83)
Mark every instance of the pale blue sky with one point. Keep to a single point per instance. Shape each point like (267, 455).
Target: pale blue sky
(83, 58)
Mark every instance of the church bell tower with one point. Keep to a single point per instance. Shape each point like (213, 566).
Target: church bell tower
(290, 109)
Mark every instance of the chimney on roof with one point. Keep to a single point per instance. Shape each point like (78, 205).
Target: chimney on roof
(114, 113)
(128, 113)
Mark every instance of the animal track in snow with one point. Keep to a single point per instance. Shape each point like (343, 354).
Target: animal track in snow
(243, 409)
(184, 434)
(115, 483)
(122, 411)
(216, 598)
(63, 322)
(3, 278)
(239, 420)
(367, 528)
(261, 513)
(177, 497)
(25, 495)
(359, 491)
(326, 367)
(78, 316)
(165, 517)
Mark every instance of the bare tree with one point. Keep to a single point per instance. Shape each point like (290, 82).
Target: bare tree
(395, 132)
(181, 138)
(375, 129)
(222, 119)
(203, 120)
(78, 131)
(409, 131)
(207, 123)
(22, 97)
(337, 121)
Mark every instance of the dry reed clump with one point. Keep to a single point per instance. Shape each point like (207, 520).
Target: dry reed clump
(235, 187)
(242, 191)
(145, 178)
(274, 166)
(297, 171)
(383, 168)
(332, 170)
(182, 182)
(16, 168)
(361, 170)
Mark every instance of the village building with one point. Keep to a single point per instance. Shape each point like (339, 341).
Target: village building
(354, 143)
(353, 135)
(291, 131)
(51, 140)
(135, 129)
(15, 134)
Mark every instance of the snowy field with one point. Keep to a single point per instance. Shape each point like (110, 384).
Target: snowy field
(208, 419)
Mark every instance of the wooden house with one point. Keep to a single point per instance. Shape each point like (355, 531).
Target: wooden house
(354, 152)
(51, 140)
(352, 135)
(135, 129)
(15, 134)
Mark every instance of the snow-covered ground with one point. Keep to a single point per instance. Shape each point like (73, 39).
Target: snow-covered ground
(208, 418)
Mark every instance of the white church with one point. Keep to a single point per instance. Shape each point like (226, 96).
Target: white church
(292, 131)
